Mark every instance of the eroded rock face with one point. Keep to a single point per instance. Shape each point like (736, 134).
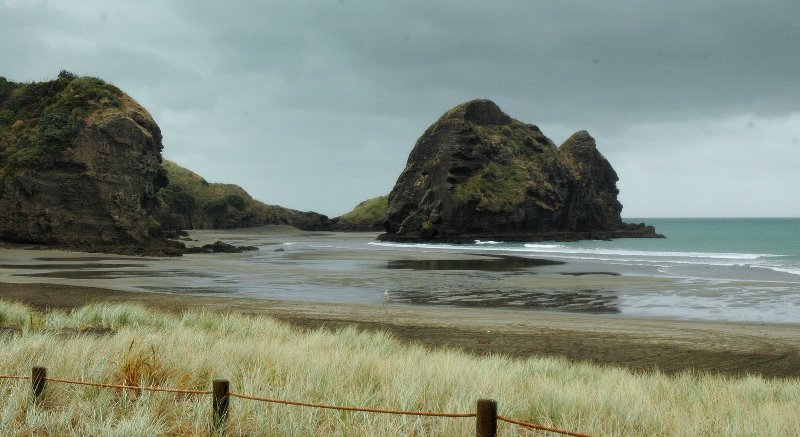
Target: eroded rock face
(477, 173)
(97, 193)
(592, 203)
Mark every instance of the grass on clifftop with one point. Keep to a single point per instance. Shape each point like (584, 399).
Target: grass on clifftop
(369, 214)
(39, 120)
(134, 345)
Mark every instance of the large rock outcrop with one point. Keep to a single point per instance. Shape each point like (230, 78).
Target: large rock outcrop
(477, 173)
(80, 165)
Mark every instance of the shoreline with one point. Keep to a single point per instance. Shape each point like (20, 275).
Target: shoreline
(640, 344)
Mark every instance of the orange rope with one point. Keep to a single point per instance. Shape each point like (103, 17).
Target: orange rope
(131, 387)
(540, 427)
(365, 410)
(306, 404)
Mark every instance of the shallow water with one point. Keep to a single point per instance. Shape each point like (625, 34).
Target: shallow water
(625, 277)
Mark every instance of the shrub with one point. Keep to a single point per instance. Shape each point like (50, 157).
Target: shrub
(64, 74)
(6, 117)
(178, 199)
(235, 201)
(56, 132)
(216, 206)
(6, 87)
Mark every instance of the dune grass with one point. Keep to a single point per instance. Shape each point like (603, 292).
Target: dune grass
(132, 344)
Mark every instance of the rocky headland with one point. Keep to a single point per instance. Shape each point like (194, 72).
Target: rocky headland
(81, 168)
(477, 173)
(80, 165)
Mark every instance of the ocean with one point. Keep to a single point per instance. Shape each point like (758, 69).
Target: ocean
(762, 249)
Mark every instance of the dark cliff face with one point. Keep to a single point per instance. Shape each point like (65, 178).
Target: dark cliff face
(592, 203)
(93, 186)
(478, 173)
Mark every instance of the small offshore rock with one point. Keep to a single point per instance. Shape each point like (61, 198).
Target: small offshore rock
(220, 247)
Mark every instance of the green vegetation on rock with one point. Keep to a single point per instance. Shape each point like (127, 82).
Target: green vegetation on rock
(39, 120)
(496, 188)
(368, 215)
(504, 183)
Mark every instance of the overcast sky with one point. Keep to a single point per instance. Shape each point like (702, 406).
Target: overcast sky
(316, 105)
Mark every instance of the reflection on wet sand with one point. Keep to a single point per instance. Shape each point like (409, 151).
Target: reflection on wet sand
(493, 264)
(581, 301)
(68, 266)
(112, 274)
(85, 274)
(191, 290)
(91, 258)
(591, 273)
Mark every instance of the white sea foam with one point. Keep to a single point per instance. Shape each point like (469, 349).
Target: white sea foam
(780, 268)
(562, 250)
(544, 246)
(644, 253)
(422, 245)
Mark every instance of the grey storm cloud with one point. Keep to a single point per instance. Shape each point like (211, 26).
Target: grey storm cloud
(315, 105)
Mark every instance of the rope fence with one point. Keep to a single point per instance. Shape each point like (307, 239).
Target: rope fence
(486, 416)
(14, 377)
(540, 427)
(130, 387)
(340, 408)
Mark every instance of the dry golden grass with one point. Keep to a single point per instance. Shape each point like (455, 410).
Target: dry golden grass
(130, 344)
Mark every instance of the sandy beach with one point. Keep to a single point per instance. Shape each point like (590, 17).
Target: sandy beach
(771, 350)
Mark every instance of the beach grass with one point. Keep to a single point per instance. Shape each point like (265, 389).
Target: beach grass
(134, 345)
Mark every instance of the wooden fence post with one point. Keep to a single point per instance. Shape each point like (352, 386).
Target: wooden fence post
(38, 379)
(220, 399)
(486, 418)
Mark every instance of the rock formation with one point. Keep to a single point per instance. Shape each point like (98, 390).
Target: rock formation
(477, 173)
(80, 164)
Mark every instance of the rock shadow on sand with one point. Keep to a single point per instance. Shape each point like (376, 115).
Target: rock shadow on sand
(488, 264)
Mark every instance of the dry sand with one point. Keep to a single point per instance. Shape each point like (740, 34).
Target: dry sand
(771, 350)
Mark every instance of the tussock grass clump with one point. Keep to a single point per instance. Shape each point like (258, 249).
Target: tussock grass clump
(133, 345)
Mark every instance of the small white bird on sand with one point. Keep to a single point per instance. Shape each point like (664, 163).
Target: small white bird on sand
(386, 297)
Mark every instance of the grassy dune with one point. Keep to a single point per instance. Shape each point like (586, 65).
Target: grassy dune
(135, 345)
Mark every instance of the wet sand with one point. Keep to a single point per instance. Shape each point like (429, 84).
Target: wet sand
(770, 350)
